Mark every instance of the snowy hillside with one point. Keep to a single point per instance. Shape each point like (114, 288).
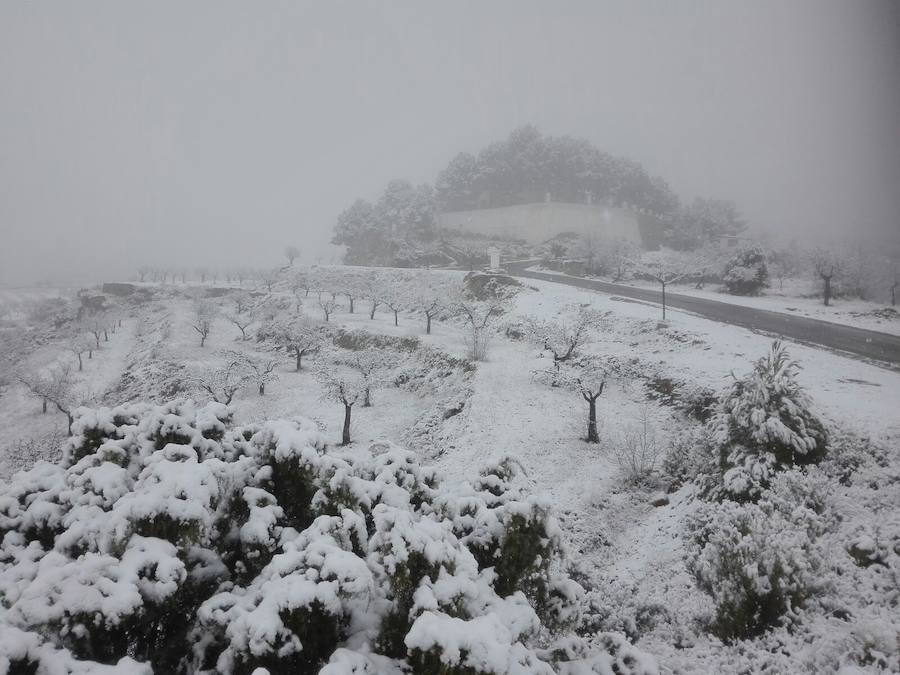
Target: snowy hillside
(351, 470)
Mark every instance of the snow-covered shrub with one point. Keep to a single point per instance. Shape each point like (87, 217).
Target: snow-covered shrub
(170, 539)
(763, 424)
(760, 561)
(746, 272)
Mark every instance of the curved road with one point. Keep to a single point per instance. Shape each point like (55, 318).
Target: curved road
(882, 348)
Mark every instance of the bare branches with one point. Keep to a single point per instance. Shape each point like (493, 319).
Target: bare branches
(204, 315)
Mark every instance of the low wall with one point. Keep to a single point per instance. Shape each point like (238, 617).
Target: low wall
(535, 223)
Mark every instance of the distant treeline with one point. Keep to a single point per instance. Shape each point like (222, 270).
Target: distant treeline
(523, 169)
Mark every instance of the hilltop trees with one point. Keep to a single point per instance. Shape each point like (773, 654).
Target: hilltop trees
(55, 386)
(291, 253)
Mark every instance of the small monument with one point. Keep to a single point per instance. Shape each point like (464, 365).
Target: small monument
(494, 252)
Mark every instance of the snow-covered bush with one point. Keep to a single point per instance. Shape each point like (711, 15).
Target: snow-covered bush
(760, 561)
(169, 539)
(746, 272)
(763, 424)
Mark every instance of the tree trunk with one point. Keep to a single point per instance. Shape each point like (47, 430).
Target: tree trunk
(97, 340)
(262, 388)
(44, 406)
(90, 353)
(428, 324)
(299, 357)
(374, 307)
(350, 297)
(105, 335)
(827, 292)
(664, 300)
(367, 399)
(592, 436)
(326, 315)
(395, 318)
(345, 436)
(202, 340)
(79, 363)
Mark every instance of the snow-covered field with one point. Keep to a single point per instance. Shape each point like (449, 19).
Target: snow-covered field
(628, 553)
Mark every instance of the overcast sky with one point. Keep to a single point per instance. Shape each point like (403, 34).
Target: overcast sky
(217, 132)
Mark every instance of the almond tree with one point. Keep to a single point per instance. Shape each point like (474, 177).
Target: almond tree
(586, 378)
(562, 338)
(224, 382)
(299, 337)
(291, 253)
(344, 386)
(204, 315)
(669, 267)
(478, 317)
(262, 371)
(54, 385)
(327, 304)
(78, 346)
(827, 264)
(243, 321)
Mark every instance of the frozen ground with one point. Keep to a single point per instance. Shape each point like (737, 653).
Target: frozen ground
(629, 550)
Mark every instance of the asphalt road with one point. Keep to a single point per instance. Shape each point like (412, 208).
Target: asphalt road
(882, 348)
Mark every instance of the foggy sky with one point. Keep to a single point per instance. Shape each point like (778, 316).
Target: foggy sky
(215, 133)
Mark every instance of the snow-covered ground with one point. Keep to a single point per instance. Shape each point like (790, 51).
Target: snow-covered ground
(628, 549)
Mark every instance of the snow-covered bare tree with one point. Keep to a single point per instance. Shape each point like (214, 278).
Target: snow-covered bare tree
(242, 321)
(827, 265)
(56, 386)
(298, 336)
(94, 323)
(587, 378)
(263, 370)
(669, 267)
(374, 365)
(343, 385)
(291, 253)
(224, 381)
(327, 303)
(203, 319)
(563, 337)
(479, 318)
(78, 346)
(269, 278)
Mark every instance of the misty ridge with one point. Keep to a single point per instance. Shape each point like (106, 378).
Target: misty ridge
(504, 338)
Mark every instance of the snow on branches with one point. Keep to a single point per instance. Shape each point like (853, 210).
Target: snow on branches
(169, 539)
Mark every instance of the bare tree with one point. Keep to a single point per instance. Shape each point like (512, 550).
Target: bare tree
(94, 323)
(55, 386)
(204, 316)
(78, 346)
(373, 365)
(827, 264)
(269, 278)
(327, 303)
(224, 382)
(143, 271)
(669, 267)
(263, 371)
(243, 321)
(478, 318)
(586, 378)
(291, 253)
(563, 338)
(344, 386)
(299, 338)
